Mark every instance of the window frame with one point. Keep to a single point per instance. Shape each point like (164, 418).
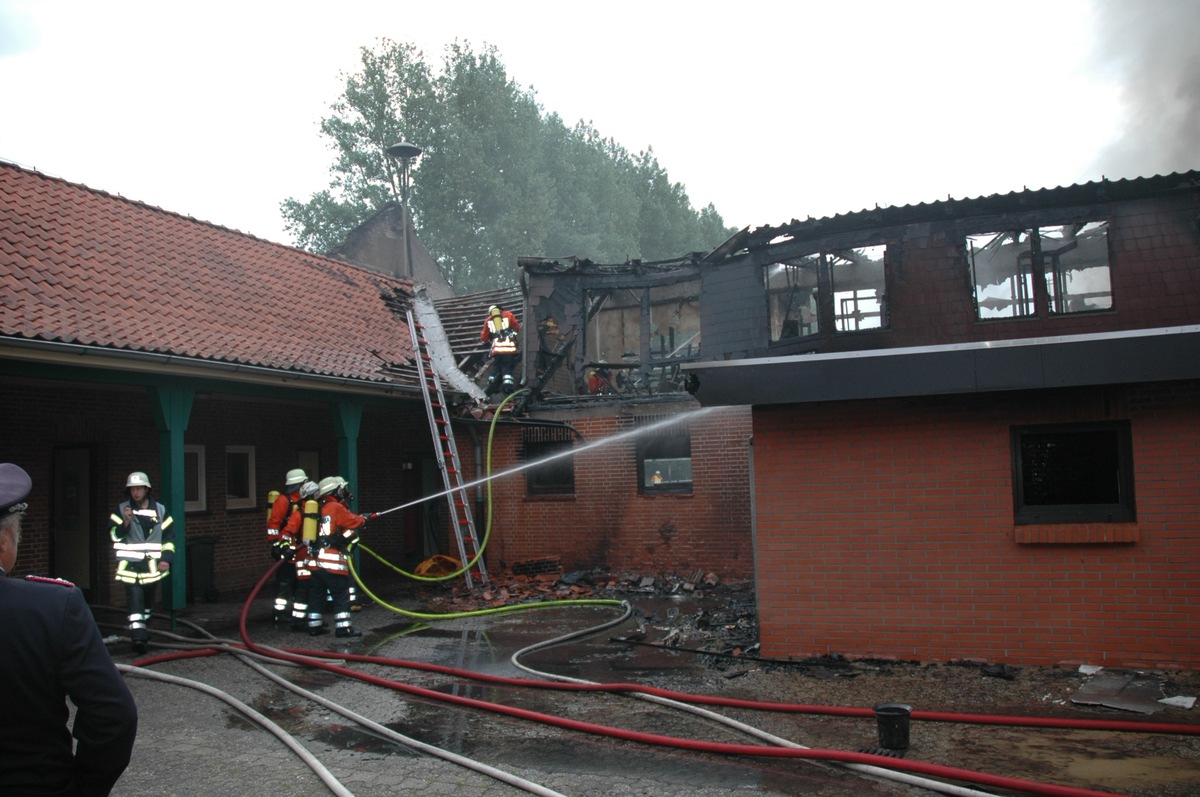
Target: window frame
(1124, 510)
(195, 481)
(547, 442)
(660, 446)
(250, 500)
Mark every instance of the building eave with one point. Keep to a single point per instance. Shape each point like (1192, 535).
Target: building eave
(56, 353)
(1148, 355)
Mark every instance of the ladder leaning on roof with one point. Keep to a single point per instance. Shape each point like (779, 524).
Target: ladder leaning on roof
(447, 456)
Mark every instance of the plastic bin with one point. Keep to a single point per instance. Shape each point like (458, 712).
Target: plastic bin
(892, 720)
(200, 569)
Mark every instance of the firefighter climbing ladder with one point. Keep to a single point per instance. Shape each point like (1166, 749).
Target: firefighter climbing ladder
(447, 456)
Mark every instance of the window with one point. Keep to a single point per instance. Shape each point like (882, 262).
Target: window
(1073, 473)
(1073, 262)
(674, 333)
(549, 447)
(240, 488)
(195, 495)
(793, 293)
(664, 456)
(857, 279)
(1002, 270)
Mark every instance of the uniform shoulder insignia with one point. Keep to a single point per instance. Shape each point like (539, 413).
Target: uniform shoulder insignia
(62, 582)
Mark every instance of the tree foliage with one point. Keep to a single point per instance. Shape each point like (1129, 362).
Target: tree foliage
(499, 178)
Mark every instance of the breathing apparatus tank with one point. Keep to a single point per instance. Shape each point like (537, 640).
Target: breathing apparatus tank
(312, 517)
(271, 496)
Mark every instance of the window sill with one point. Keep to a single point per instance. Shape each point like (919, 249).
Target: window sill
(1077, 534)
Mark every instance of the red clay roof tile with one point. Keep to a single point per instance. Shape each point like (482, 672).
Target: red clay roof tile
(83, 266)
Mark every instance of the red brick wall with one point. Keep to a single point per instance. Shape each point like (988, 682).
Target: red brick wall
(608, 524)
(885, 529)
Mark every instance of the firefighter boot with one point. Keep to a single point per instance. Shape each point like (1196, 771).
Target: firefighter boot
(347, 631)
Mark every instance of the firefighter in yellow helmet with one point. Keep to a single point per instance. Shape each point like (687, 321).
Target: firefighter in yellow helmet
(500, 330)
(144, 542)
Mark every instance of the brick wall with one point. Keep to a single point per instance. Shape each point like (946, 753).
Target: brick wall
(885, 530)
(607, 523)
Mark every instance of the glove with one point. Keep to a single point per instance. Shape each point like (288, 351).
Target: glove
(287, 553)
(276, 553)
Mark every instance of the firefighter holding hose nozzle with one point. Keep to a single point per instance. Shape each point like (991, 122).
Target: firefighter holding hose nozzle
(338, 532)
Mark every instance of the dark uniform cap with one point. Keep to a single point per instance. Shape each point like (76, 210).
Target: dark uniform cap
(15, 485)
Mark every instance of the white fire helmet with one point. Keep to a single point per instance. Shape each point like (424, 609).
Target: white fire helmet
(138, 479)
(329, 484)
(308, 490)
(493, 310)
(295, 476)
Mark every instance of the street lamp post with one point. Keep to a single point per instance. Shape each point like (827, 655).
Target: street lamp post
(404, 153)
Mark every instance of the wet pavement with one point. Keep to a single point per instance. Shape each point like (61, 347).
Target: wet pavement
(190, 742)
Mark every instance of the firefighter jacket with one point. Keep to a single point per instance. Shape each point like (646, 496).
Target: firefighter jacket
(501, 332)
(148, 538)
(283, 526)
(339, 529)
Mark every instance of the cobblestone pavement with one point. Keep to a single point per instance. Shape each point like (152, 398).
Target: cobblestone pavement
(191, 743)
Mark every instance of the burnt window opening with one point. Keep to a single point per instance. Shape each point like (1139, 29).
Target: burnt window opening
(1072, 258)
(549, 447)
(858, 284)
(793, 294)
(664, 456)
(1073, 473)
(853, 279)
(1075, 262)
(638, 337)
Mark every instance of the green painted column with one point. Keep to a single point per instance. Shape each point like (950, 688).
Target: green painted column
(347, 422)
(172, 409)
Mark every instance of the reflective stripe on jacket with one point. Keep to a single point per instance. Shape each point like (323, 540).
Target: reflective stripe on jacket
(502, 332)
(140, 545)
(339, 528)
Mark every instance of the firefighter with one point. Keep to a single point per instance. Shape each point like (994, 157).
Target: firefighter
(339, 531)
(500, 330)
(283, 525)
(144, 541)
(299, 534)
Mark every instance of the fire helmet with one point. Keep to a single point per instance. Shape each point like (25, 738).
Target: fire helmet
(138, 479)
(493, 310)
(295, 476)
(330, 484)
(308, 489)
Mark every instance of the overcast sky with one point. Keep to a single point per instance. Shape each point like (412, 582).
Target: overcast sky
(769, 110)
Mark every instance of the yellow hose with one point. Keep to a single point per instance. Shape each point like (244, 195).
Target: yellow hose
(486, 534)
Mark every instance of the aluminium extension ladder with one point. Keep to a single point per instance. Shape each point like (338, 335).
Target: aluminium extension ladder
(447, 456)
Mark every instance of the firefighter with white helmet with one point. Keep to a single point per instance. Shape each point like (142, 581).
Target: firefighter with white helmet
(500, 330)
(283, 526)
(144, 542)
(339, 530)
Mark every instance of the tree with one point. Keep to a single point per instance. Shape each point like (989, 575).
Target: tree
(498, 179)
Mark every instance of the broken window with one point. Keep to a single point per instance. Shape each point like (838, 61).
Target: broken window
(1002, 271)
(1075, 262)
(547, 450)
(664, 457)
(674, 333)
(614, 340)
(858, 284)
(1073, 473)
(792, 294)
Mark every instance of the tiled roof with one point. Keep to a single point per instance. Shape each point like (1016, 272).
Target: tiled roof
(80, 266)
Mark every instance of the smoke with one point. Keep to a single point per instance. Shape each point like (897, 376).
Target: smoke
(1153, 48)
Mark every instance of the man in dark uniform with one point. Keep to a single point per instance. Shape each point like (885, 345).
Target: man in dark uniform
(51, 649)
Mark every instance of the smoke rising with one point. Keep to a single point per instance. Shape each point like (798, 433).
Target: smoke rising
(1153, 48)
